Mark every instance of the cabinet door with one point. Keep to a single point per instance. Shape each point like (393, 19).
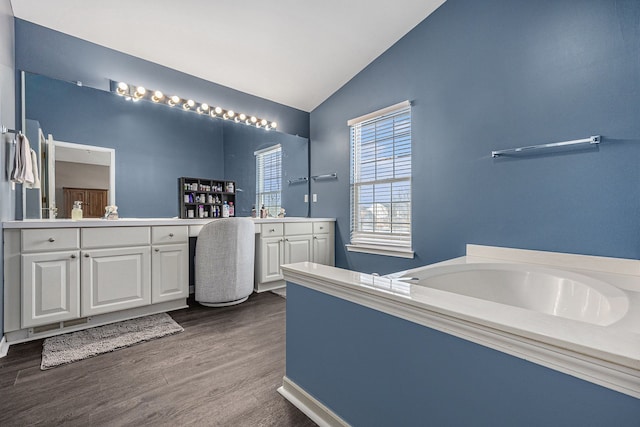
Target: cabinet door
(50, 287)
(169, 272)
(270, 259)
(115, 279)
(322, 249)
(297, 249)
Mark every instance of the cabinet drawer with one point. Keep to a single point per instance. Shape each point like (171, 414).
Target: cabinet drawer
(169, 234)
(268, 230)
(115, 236)
(321, 227)
(50, 239)
(292, 228)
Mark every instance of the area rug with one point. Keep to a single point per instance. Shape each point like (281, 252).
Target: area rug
(68, 348)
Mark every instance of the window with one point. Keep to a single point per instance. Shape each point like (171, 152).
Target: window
(269, 179)
(381, 182)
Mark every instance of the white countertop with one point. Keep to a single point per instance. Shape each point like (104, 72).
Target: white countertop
(137, 222)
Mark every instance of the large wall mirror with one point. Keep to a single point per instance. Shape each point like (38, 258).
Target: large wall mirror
(143, 148)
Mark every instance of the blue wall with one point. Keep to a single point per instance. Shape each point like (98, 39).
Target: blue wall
(155, 145)
(500, 74)
(51, 53)
(240, 144)
(373, 369)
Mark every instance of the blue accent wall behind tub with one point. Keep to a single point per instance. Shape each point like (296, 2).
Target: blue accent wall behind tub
(374, 369)
(497, 74)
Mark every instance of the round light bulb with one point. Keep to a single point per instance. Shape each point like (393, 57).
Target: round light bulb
(157, 96)
(231, 113)
(274, 125)
(122, 88)
(173, 100)
(263, 122)
(218, 110)
(140, 91)
(243, 116)
(253, 119)
(205, 107)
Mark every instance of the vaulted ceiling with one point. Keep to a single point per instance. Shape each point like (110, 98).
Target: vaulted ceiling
(293, 52)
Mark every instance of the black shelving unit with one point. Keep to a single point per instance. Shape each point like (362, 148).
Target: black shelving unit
(205, 198)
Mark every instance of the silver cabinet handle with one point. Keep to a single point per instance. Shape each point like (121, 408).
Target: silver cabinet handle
(272, 230)
(73, 256)
(321, 228)
(51, 239)
(157, 250)
(170, 234)
(315, 237)
(87, 255)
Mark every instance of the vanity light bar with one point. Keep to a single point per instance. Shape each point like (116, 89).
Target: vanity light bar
(136, 93)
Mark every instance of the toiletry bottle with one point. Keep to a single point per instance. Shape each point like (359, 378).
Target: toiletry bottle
(76, 212)
(232, 210)
(253, 211)
(263, 212)
(225, 210)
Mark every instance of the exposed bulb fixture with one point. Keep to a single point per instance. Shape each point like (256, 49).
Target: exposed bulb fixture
(174, 100)
(189, 104)
(139, 93)
(136, 93)
(122, 88)
(157, 96)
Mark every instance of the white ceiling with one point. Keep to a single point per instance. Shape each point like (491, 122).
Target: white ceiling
(295, 52)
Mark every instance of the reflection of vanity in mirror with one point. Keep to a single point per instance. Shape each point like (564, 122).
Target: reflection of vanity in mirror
(155, 144)
(72, 172)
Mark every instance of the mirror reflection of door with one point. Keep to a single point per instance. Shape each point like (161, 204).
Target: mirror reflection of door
(93, 201)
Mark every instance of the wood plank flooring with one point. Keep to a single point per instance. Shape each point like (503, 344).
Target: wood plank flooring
(223, 370)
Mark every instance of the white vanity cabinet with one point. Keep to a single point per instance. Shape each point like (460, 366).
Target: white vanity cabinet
(323, 247)
(269, 255)
(50, 276)
(169, 263)
(116, 269)
(297, 242)
(287, 243)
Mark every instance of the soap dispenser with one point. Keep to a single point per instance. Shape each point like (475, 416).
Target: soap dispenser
(76, 212)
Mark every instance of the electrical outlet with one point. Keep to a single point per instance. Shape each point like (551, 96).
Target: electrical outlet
(315, 198)
(306, 198)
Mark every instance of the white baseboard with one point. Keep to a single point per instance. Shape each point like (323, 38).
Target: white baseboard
(311, 407)
(4, 347)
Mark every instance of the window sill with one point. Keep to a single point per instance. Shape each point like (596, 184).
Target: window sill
(382, 250)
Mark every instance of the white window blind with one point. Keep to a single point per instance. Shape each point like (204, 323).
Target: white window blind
(269, 179)
(381, 179)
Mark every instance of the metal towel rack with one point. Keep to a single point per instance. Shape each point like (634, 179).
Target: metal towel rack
(5, 130)
(333, 175)
(298, 180)
(522, 150)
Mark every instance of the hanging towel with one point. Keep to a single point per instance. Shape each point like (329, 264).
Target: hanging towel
(35, 170)
(22, 165)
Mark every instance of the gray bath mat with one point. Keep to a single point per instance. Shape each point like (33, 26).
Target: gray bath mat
(67, 348)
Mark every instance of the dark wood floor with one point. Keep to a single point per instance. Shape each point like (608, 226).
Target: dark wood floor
(223, 370)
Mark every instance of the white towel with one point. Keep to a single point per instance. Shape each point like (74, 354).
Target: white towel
(35, 169)
(22, 166)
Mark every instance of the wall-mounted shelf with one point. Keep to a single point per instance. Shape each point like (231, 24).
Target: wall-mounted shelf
(539, 148)
(205, 198)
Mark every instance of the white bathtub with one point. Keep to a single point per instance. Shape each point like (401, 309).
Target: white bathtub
(544, 290)
(573, 313)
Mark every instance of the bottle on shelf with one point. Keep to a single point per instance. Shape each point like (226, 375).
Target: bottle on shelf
(225, 210)
(232, 210)
(263, 212)
(253, 211)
